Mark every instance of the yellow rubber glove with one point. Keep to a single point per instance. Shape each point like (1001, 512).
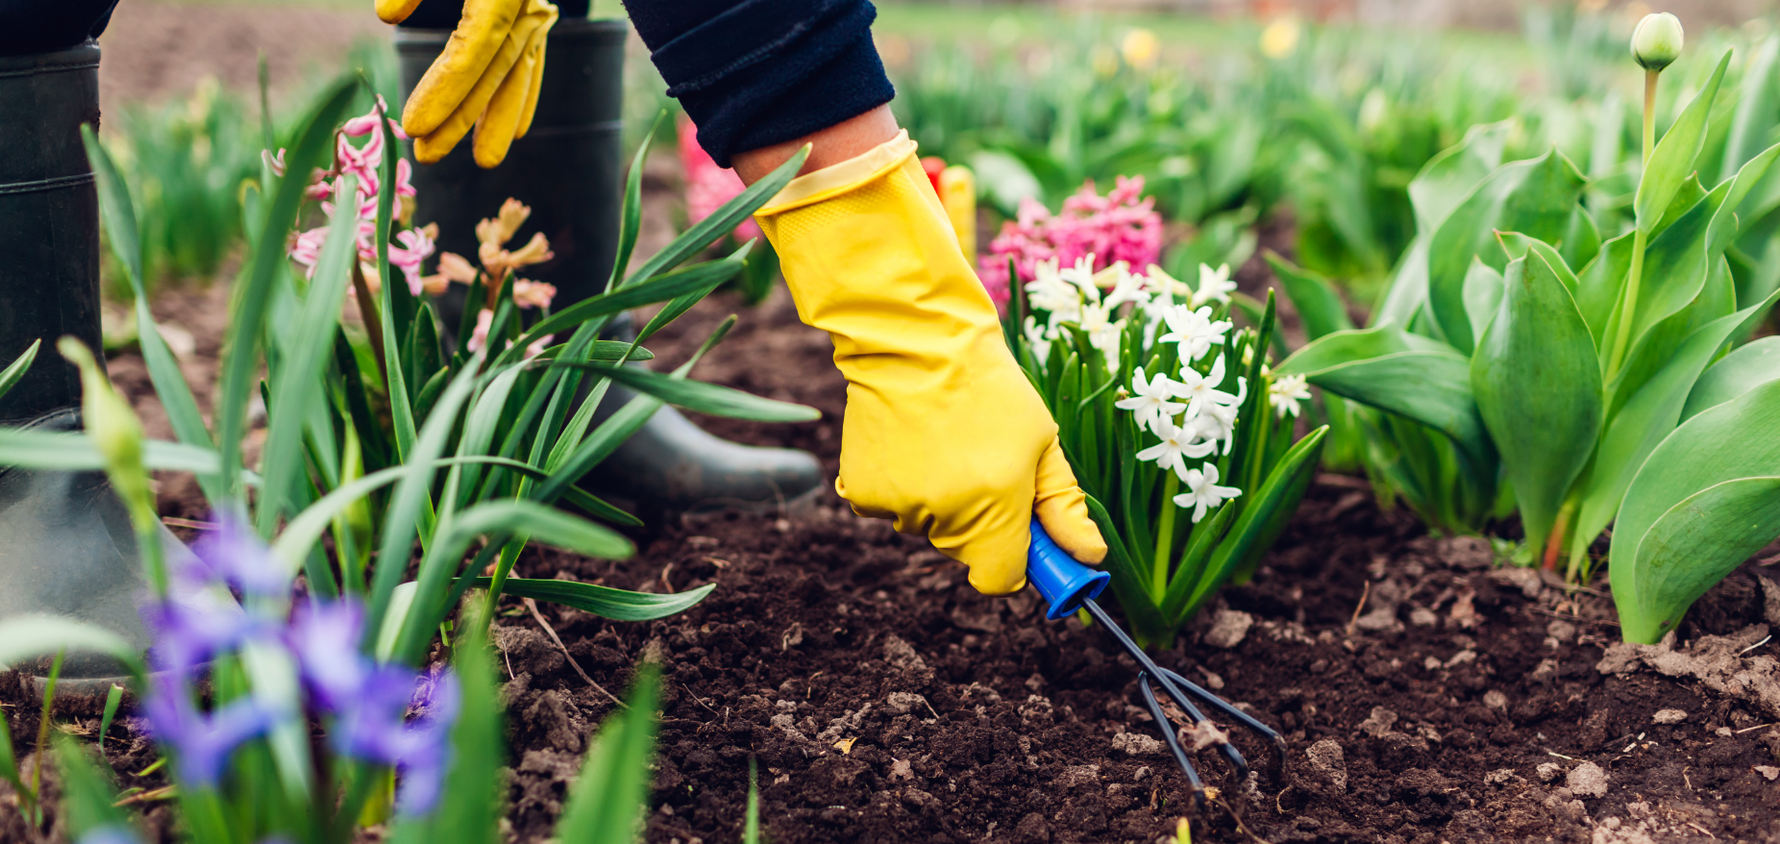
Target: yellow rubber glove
(943, 432)
(483, 78)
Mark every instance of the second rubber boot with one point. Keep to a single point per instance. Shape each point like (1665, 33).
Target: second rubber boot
(66, 544)
(569, 169)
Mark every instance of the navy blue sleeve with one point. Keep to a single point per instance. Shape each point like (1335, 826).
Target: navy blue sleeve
(752, 73)
(43, 26)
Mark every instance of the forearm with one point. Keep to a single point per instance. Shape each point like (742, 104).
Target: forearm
(760, 74)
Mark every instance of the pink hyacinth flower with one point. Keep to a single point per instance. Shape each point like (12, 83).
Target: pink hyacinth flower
(708, 186)
(415, 248)
(1121, 226)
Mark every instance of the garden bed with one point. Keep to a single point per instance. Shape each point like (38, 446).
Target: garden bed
(1426, 694)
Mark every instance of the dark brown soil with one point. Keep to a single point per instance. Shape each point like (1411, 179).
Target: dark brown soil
(1427, 694)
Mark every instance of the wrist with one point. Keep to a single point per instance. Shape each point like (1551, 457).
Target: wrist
(844, 140)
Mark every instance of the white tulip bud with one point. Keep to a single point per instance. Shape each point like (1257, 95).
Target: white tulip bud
(1656, 43)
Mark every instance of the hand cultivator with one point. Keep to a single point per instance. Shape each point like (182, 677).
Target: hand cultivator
(1068, 586)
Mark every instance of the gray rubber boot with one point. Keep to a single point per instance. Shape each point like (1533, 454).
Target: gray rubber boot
(569, 169)
(66, 544)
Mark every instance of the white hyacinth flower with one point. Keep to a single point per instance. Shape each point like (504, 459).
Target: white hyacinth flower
(1214, 285)
(1103, 331)
(1166, 289)
(1203, 492)
(1194, 330)
(1038, 338)
(1201, 391)
(1218, 422)
(1126, 287)
(1149, 402)
(1082, 276)
(1177, 444)
(1050, 293)
(1285, 392)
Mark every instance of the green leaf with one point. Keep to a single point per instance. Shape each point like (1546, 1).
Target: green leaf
(699, 278)
(469, 809)
(1634, 431)
(1389, 369)
(413, 494)
(1601, 284)
(606, 803)
(722, 221)
(603, 601)
(119, 214)
(1744, 369)
(1264, 517)
(25, 637)
(297, 382)
(681, 305)
(700, 397)
(1713, 448)
(1695, 544)
(630, 222)
(1483, 295)
(1319, 305)
(1672, 162)
(11, 375)
(1130, 579)
(69, 451)
(1534, 198)
(87, 791)
(312, 148)
(1537, 378)
(543, 524)
(1758, 100)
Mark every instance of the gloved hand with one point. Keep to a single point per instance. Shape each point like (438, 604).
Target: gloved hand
(487, 76)
(943, 432)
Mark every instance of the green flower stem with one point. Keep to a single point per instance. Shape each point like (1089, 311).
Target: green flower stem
(1640, 238)
(1165, 536)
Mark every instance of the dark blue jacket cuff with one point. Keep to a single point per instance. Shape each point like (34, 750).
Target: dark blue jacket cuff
(759, 72)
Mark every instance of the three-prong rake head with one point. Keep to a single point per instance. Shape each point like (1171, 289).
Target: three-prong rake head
(1068, 586)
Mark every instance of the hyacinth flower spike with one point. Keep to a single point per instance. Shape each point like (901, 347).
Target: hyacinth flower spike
(1068, 586)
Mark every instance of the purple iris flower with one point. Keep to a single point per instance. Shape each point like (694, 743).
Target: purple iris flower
(324, 637)
(233, 554)
(373, 729)
(201, 741)
(109, 834)
(188, 634)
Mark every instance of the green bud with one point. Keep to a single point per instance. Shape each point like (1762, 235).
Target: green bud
(1656, 43)
(112, 424)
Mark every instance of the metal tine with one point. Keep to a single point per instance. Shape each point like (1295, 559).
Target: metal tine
(1224, 706)
(1176, 683)
(1168, 680)
(1166, 728)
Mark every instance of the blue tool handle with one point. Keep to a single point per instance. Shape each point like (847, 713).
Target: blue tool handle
(1063, 582)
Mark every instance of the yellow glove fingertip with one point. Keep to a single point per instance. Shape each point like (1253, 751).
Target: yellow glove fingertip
(395, 11)
(1062, 508)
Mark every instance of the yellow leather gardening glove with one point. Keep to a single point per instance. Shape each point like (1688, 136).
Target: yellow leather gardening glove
(487, 77)
(943, 433)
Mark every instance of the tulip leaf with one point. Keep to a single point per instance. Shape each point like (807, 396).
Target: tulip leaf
(1537, 379)
(1319, 305)
(1601, 284)
(1744, 369)
(1392, 370)
(1718, 446)
(1535, 198)
(1483, 295)
(1650, 415)
(1758, 100)
(1672, 162)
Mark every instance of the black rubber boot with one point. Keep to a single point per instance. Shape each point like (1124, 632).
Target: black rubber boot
(66, 545)
(569, 169)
